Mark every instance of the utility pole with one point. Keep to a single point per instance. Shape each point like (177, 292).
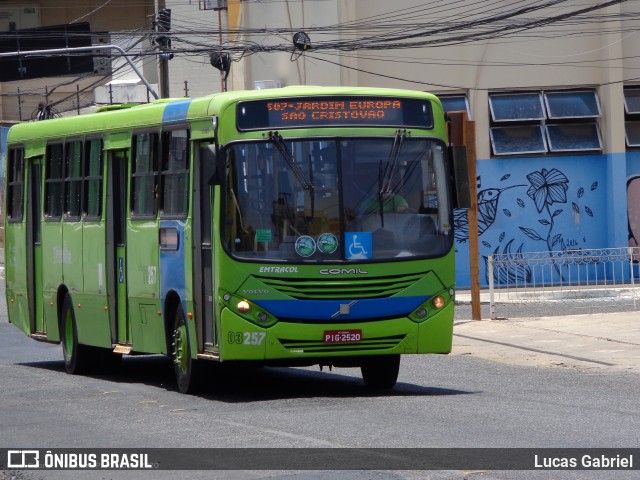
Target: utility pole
(223, 79)
(463, 132)
(219, 59)
(163, 60)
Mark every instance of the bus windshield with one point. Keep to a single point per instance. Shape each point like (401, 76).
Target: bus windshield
(336, 200)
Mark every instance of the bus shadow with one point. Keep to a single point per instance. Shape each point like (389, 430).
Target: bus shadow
(245, 384)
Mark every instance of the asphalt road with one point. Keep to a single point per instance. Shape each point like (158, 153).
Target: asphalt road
(440, 401)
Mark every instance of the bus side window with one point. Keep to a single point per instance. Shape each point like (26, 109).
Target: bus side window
(15, 185)
(92, 180)
(72, 180)
(174, 176)
(53, 182)
(144, 175)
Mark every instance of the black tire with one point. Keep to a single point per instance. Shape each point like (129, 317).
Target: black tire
(78, 359)
(381, 372)
(186, 369)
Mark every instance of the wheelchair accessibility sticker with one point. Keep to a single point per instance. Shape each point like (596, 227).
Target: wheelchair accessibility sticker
(358, 245)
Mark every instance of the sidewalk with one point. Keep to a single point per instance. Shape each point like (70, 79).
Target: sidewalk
(608, 341)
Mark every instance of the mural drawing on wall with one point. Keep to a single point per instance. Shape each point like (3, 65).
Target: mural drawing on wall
(536, 208)
(633, 212)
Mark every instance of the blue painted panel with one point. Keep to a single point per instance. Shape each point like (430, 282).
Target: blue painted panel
(330, 309)
(176, 112)
(545, 204)
(172, 268)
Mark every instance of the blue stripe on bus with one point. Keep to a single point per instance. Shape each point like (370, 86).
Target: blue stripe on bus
(172, 269)
(330, 309)
(176, 112)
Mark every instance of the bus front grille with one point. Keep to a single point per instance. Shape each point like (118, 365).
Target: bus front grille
(325, 289)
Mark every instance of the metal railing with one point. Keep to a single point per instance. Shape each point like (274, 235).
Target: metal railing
(588, 279)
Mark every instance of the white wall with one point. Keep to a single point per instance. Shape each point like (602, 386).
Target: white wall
(578, 53)
(196, 70)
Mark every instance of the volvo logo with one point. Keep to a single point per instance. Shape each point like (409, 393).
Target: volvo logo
(345, 309)
(343, 271)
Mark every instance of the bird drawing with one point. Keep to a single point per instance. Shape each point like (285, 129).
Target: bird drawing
(487, 210)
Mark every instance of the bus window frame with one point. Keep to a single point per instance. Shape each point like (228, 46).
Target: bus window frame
(86, 178)
(163, 174)
(48, 181)
(155, 174)
(446, 179)
(12, 183)
(66, 216)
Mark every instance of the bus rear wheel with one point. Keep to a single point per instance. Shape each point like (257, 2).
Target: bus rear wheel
(185, 368)
(381, 372)
(78, 359)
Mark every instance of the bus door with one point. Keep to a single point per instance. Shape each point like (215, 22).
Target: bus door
(203, 251)
(116, 245)
(34, 248)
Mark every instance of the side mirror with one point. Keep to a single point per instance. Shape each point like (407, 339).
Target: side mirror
(209, 164)
(460, 181)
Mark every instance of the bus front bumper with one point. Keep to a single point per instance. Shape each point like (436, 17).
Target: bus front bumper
(243, 340)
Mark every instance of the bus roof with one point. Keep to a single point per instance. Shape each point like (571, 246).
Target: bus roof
(175, 111)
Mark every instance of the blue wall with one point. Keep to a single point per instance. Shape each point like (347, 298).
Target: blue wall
(548, 204)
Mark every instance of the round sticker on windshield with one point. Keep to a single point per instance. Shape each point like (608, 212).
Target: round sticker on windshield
(327, 243)
(305, 246)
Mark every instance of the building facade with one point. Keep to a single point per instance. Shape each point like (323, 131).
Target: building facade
(553, 89)
(63, 82)
(553, 93)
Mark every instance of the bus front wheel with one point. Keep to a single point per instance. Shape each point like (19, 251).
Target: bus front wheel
(78, 358)
(381, 372)
(184, 367)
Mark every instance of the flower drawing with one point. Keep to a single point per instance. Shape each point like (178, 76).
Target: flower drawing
(547, 188)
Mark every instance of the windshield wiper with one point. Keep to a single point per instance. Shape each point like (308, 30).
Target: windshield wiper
(278, 141)
(385, 181)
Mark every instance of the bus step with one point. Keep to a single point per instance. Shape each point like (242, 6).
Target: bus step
(40, 336)
(208, 356)
(123, 349)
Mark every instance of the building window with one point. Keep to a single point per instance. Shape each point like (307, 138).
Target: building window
(455, 103)
(572, 105)
(516, 107)
(15, 185)
(632, 116)
(525, 139)
(632, 130)
(573, 137)
(544, 122)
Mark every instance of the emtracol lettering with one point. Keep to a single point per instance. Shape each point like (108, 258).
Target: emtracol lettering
(290, 269)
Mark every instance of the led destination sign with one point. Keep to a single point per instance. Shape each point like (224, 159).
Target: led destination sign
(334, 112)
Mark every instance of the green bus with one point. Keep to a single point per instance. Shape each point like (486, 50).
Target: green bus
(289, 227)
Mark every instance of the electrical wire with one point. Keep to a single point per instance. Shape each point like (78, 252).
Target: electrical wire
(433, 24)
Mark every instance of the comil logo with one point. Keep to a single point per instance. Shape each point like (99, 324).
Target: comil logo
(23, 459)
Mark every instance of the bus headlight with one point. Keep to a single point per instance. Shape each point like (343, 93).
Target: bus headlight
(438, 302)
(243, 306)
(421, 312)
(248, 310)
